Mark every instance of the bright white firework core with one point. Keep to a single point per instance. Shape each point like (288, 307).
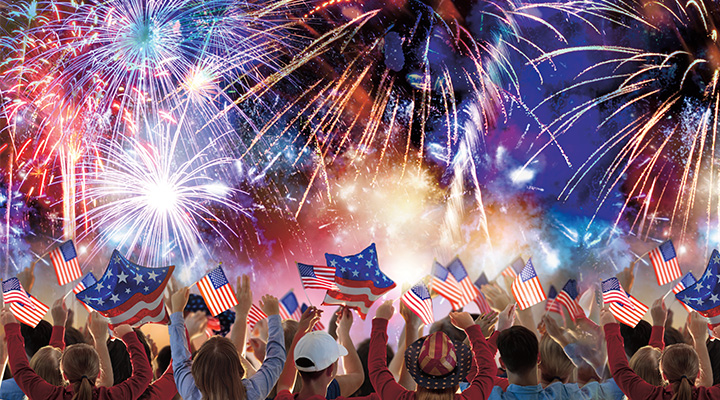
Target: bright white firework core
(161, 196)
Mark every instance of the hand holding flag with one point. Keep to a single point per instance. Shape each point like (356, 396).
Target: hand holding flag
(217, 291)
(417, 299)
(65, 262)
(665, 263)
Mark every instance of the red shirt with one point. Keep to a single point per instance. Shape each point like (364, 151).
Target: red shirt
(36, 388)
(634, 387)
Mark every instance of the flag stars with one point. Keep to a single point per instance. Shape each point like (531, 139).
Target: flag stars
(333, 263)
(122, 277)
(355, 273)
(699, 301)
(716, 259)
(347, 260)
(100, 301)
(369, 263)
(152, 275)
(138, 279)
(714, 298)
(99, 287)
(114, 298)
(146, 288)
(343, 269)
(360, 256)
(127, 291)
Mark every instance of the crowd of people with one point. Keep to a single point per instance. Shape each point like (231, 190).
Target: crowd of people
(504, 354)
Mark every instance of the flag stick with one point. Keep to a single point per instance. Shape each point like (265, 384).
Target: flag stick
(668, 293)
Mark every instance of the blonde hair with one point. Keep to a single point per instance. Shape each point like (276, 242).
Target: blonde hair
(81, 365)
(46, 363)
(554, 363)
(423, 393)
(217, 370)
(680, 365)
(646, 364)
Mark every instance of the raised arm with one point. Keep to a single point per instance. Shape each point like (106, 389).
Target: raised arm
(413, 323)
(59, 316)
(244, 295)
(699, 333)
(141, 377)
(308, 319)
(267, 375)
(658, 312)
(482, 384)
(99, 330)
(179, 349)
(354, 375)
(382, 380)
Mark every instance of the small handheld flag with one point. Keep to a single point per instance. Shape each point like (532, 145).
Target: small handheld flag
(289, 307)
(65, 262)
(552, 305)
(568, 297)
(665, 263)
(418, 300)
(255, 315)
(614, 293)
(84, 283)
(704, 295)
(217, 291)
(318, 325)
(30, 316)
(687, 281)
(444, 284)
(527, 288)
(317, 276)
(629, 315)
(511, 271)
(467, 289)
(13, 292)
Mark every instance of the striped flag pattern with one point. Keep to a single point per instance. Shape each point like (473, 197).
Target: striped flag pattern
(418, 300)
(30, 316)
(511, 270)
(289, 307)
(482, 304)
(568, 297)
(13, 292)
(317, 276)
(527, 288)
(614, 293)
(444, 284)
(665, 263)
(65, 262)
(552, 305)
(255, 315)
(217, 291)
(84, 283)
(467, 288)
(319, 326)
(687, 281)
(629, 316)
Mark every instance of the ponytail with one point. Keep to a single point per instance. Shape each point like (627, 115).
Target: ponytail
(684, 389)
(83, 389)
(81, 366)
(680, 365)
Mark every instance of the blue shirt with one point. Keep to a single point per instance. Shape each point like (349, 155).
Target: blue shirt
(555, 390)
(11, 391)
(257, 387)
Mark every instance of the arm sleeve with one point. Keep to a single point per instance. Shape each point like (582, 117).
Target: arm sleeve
(57, 339)
(657, 337)
(141, 376)
(29, 382)
(181, 362)
(265, 378)
(626, 379)
(162, 389)
(380, 376)
(483, 382)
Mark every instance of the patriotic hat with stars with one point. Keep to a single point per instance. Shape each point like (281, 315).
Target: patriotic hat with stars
(437, 362)
(226, 318)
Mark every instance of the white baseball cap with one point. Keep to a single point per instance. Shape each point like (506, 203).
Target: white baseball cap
(320, 351)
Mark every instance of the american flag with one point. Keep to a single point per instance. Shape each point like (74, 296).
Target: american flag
(482, 304)
(318, 325)
(481, 280)
(552, 305)
(568, 297)
(664, 261)
(687, 281)
(217, 291)
(629, 316)
(418, 300)
(468, 289)
(30, 316)
(289, 307)
(84, 283)
(128, 293)
(511, 270)
(704, 295)
(527, 288)
(444, 284)
(64, 259)
(359, 280)
(255, 315)
(614, 293)
(317, 276)
(13, 292)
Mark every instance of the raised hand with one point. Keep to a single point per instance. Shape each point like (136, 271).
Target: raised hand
(697, 325)
(59, 312)
(269, 305)
(658, 312)
(98, 327)
(411, 319)
(506, 318)
(179, 300)
(196, 322)
(462, 320)
(27, 277)
(555, 331)
(309, 318)
(487, 323)
(385, 311)
(496, 296)
(244, 295)
(626, 277)
(345, 321)
(7, 317)
(606, 316)
(122, 330)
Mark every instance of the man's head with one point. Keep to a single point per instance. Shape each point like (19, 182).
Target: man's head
(518, 348)
(316, 356)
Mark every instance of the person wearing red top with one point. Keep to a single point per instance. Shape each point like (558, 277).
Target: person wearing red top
(680, 366)
(37, 388)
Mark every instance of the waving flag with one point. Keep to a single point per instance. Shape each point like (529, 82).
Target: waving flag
(704, 295)
(568, 297)
(527, 288)
(289, 307)
(418, 300)
(444, 284)
(128, 293)
(628, 315)
(359, 280)
(13, 292)
(467, 288)
(665, 263)
(687, 281)
(30, 316)
(317, 276)
(482, 304)
(481, 280)
(84, 283)
(64, 259)
(217, 291)
(614, 293)
(318, 325)
(511, 271)
(255, 315)
(552, 305)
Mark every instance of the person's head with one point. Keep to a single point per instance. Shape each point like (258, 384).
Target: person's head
(646, 364)
(81, 366)
(46, 363)
(679, 365)
(635, 338)
(162, 361)
(672, 336)
(713, 347)
(73, 336)
(518, 347)
(444, 325)
(554, 363)
(437, 364)
(120, 357)
(37, 337)
(316, 357)
(290, 328)
(363, 350)
(217, 370)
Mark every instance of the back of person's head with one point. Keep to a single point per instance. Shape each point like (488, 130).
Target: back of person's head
(217, 370)
(646, 364)
(673, 336)
(713, 347)
(444, 325)
(363, 350)
(518, 347)
(162, 361)
(46, 363)
(554, 363)
(316, 356)
(635, 338)
(37, 337)
(290, 328)
(680, 366)
(120, 357)
(81, 366)
(73, 336)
